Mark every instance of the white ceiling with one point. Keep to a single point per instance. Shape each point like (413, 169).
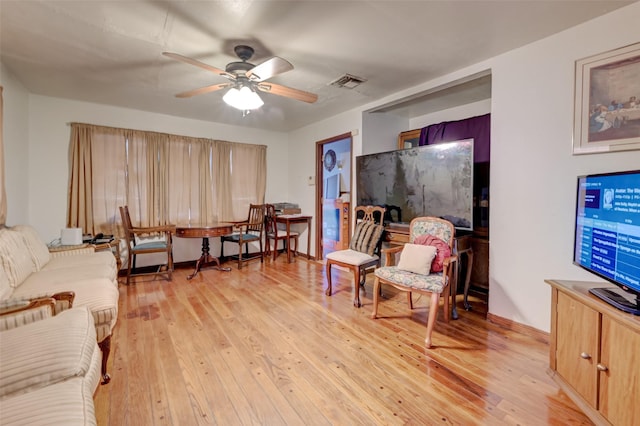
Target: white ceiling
(110, 52)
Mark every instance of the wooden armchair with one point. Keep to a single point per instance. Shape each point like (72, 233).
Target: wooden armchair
(161, 244)
(246, 232)
(415, 273)
(363, 252)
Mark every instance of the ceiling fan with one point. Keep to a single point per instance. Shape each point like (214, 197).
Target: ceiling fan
(246, 80)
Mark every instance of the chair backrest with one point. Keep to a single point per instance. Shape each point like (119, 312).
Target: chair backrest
(126, 224)
(255, 221)
(270, 224)
(435, 226)
(374, 214)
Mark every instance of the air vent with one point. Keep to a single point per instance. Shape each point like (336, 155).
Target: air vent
(348, 81)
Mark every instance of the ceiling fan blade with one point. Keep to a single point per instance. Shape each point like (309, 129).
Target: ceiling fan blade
(269, 68)
(288, 92)
(202, 90)
(199, 64)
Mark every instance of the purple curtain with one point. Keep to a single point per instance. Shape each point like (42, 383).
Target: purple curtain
(478, 128)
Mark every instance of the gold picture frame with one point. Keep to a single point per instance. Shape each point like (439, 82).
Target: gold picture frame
(607, 102)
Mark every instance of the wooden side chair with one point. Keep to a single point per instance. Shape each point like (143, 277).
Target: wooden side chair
(363, 251)
(136, 244)
(247, 232)
(274, 234)
(415, 270)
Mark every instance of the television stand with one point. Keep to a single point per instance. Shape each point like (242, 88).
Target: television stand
(617, 297)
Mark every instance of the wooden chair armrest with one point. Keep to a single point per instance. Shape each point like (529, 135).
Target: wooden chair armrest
(389, 255)
(17, 306)
(153, 229)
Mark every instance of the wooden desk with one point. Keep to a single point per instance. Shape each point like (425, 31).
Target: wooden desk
(462, 245)
(288, 219)
(205, 232)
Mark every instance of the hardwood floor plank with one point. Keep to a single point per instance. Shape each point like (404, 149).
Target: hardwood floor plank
(265, 345)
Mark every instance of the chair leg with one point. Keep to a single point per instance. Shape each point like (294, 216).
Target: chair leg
(328, 274)
(240, 257)
(447, 298)
(433, 312)
(410, 300)
(129, 270)
(356, 287)
(275, 249)
(376, 297)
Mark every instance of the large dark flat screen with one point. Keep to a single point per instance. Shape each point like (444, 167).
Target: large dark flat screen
(431, 180)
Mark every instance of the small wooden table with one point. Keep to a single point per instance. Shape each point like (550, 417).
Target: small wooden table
(288, 219)
(217, 229)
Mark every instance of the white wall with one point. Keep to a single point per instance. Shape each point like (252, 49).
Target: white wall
(473, 109)
(302, 146)
(533, 172)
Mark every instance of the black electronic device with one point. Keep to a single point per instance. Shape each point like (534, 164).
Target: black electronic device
(430, 180)
(607, 235)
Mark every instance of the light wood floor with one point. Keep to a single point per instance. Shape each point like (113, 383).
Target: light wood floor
(264, 345)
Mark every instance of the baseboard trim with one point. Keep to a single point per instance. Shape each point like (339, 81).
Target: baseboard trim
(527, 330)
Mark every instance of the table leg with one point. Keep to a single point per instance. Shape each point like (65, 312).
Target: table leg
(308, 238)
(288, 242)
(454, 290)
(206, 258)
(467, 281)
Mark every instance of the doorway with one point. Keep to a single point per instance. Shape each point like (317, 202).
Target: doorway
(333, 194)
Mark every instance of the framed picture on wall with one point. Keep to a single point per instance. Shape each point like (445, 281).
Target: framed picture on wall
(607, 102)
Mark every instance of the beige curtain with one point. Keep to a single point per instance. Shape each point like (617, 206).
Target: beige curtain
(242, 178)
(162, 178)
(97, 178)
(3, 192)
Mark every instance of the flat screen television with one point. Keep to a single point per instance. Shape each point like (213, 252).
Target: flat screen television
(430, 180)
(607, 235)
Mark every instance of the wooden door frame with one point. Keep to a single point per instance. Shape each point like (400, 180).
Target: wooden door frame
(320, 185)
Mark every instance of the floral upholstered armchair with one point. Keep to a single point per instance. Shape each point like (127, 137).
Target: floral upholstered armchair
(426, 266)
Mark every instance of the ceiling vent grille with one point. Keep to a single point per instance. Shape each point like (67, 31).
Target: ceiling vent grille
(348, 81)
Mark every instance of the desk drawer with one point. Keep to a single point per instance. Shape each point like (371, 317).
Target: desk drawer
(397, 238)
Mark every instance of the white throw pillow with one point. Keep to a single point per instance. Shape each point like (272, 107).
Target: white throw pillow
(417, 258)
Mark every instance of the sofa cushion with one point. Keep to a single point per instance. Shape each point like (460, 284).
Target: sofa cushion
(352, 257)
(443, 250)
(98, 294)
(15, 257)
(417, 258)
(366, 237)
(66, 403)
(37, 248)
(47, 351)
(103, 258)
(431, 282)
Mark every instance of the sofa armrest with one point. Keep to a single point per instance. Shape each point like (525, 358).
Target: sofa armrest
(60, 252)
(18, 312)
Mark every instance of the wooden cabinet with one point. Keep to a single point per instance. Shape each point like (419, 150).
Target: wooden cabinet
(595, 353)
(336, 218)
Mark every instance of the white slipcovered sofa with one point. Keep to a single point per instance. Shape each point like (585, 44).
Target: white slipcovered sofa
(49, 367)
(29, 271)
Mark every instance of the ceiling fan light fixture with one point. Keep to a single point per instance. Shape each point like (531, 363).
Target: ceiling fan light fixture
(243, 99)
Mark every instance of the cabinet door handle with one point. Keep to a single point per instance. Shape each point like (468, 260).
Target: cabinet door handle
(601, 367)
(585, 355)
